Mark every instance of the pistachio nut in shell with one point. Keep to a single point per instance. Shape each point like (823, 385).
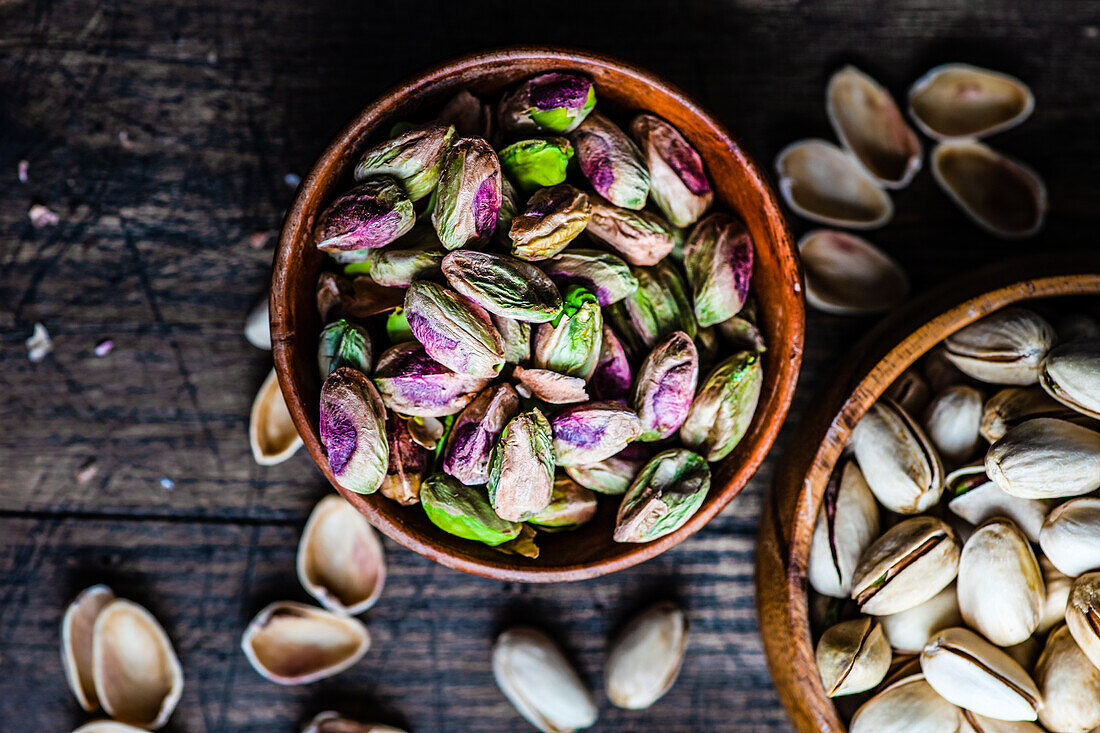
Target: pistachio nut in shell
(1057, 586)
(409, 461)
(551, 220)
(464, 511)
(847, 523)
(502, 285)
(897, 459)
(611, 162)
(911, 562)
(571, 505)
(340, 558)
(1045, 458)
(951, 422)
(985, 500)
(723, 409)
(1005, 347)
(353, 431)
(1000, 585)
(908, 631)
(848, 275)
(964, 101)
(678, 180)
(537, 162)
(645, 658)
(909, 705)
(551, 102)
(593, 431)
(343, 343)
(257, 325)
(1068, 536)
(272, 434)
(852, 656)
(521, 467)
(641, 237)
(1070, 685)
(1083, 615)
(613, 376)
(664, 495)
(823, 183)
(1014, 405)
(549, 386)
(718, 259)
(413, 383)
(659, 306)
(454, 330)
(415, 158)
(515, 337)
(531, 671)
(76, 642)
(372, 214)
(468, 198)
(470, 116)
(606, 275)
(475, 432)
(1071, 374)
(612, 475)
(570, 344)
(294, 644)
(741, 333)
(331, 722)
(665, 386)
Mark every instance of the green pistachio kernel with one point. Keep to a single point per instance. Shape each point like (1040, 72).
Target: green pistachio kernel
(464, 511)
(532, 164)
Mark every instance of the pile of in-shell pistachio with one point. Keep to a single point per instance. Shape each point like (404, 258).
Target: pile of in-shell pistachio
(964, 525)
(546, 328)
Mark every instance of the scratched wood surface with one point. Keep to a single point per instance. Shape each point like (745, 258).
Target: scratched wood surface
(166, 139)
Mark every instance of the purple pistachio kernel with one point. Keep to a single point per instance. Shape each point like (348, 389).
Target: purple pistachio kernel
(353, 431)
(486, 207)
(611, 162)
(666, 385)
(475, 432)
(613, 377)
(591, 432)
(338, 436)
(597, 168)
(370, 215)
(433, 340)
(454, 330)
(689, 167)
(413, 383)
(718, 259)
(559, 90)
(679, 184)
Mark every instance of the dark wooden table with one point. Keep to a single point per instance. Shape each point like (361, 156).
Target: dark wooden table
(166, 137)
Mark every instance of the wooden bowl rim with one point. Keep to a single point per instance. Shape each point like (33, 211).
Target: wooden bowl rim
(772, 414)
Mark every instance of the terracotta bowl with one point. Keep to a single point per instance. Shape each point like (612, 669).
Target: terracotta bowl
(740, 187)
(791, 508)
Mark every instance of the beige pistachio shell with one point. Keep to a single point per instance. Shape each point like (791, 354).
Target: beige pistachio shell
(257, 326)
(952, 420)
(271, 432)
(909, 705)
(331, 722)
(1083, 615)
(971, 722)
(897, 459)
(1070, 685)
(964, 101)
(908, 631)
(340, 558)
(848, 275)
(645, 658)
(107, 726)
(910, 391)
(870, 125)
(1071, 374)
(1005, 347)
(1000, 584)
(987, 500)
(823, 183)
(1014, 405)
(1069, 536)
(138, 678)
(852, 656)
(76, 642)
(1045, 458)
(1057, 586)
(295, 644)
(842, 533)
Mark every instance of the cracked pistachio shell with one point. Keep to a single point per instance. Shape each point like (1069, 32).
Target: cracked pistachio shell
(521, 467)
(470, 116)
(372, 214)
(294, 644)
(664, 495)
(549, 386)
(1083, 615)
(613, 475)
(541, 684)
(1000, 585)
(898, 460)
(551, 220)
(968, 671)
(1014, 405)
(908, 631)
(1070, 685)
(678, 180)
(532, 164)
(413, 383)
(977, 499)
(848, 275)
(570, 345)
(340, 559)
(414, 256)
(468, 199)
(724, 407)
(593, 431)
(964, 101)
(1006, 347)
(658, 307)
(825, 184)
(951, 422)
(641, 237)
(515, 337)
(611, 162)
(331, 722)
(847, 523)
(612, 378)
(353, 432)
(1045, 458)
(913, 561)
(645, 658)
(608, 277)
(909, 705)
(272, 434)
(343, 343)
(1069, 536)
(551, 102)
(1057, 586)
(454, 330)
(1071, 374)
(475, 432)
(852, 656)
(665, 386)
(76, 642)
(571, 505)
(718, 260)
(502, 285)
(414, 158)
(464, 511)
(409, 462)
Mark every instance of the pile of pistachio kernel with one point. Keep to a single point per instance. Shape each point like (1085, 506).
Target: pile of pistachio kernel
(965, 529)
(546, 328)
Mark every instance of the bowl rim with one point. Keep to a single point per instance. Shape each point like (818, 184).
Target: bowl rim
(783, 247)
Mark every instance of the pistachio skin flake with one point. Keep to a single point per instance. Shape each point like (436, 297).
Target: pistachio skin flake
(414, 158)
(718, 258)
(464, 511)
(611, 162)
(658, 307)
(343, 343)
(606, 275)
(723, 410)
(551, 220)
(413, 383)
(502, 285)
(475, 432)
(664, 495)
(371, 215)
(642, 237)
(454, 330)
(353, 432)
(678, 180)
(535, 163)
(552, 102)
(521, 468)
(591, 432)
(570, 345)
(468, 198)
(408, 464)
(665, 386)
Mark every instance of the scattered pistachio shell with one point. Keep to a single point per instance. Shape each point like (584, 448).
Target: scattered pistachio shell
(570, 344)
(475, 432)
(515, 337)
(372, 214)
(1000, 586)
(551, 102)
(271, 431)
(1083, 615)
(723, 409)
(613, 377)
(909, 630)
(426, 432)
(611, 162)
(852, 656)
(331, 722)
(454, 330)
(641, 237)
(963, 101)
(1045, 458)
(848, 275)
(612, 475)
(591, 432)
(847, 523)
(343, 343)
(898, 460)
(535, 163)
(353, 431)
(257, 326)
(503, 286)
(521, 467)
(1068, 536)
(294, 644)
(678, 180)
(468, 198)
(551, 220)
(659, 306)
(409, 461)
(412, 383)
(1014, 405)
(415, 158)
(76, 642)
(571, 505)
(340, 559)
(909, 705)
(718, 259)
(664, 495)
(107, 726)
(464, 511)
(607, 276)
(549, 386)
(913, 561)
(821, 182)
(645, 658)
(1070, 373)
(1070, 685)
(665, 386)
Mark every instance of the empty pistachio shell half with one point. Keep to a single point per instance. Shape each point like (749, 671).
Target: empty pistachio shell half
(641, 237)
(847, 523)
(852, 656)
(977, 499)
(723, 409)
(678, 179)
(1068, 536)
(897, 459)
(570, 344)
(913, 561)
(331, 722)
(612, 475)
(295, 644)
(664, 495)
(1070, 685)
(613, 377)
(549, 386)
(464, 511)
(413, 383)
(340, 558)
(76, 642)
(537, 162)
(665, 386)
(271, 431)
(372, 214)
(454, 330)
(605, 275)
(1057, 586)
(909, 705)
(591, 432)
(1046, 458)
(611, 162)
(257, 326)
(870, 125)
(475, 432)
(1000, 585)
(551, 220)
(718, 259)
(951, 422)
(1005, 347)
(468, 198)
(343, 343)
(521, 467)
(1014, 405)
(409, 460)
(516, 338)
(415, 158)
(353, 430)
(645, 658)
(967, 670)
(1083, 615)
(999, 194)
(504, 286)
(551, 102)
(848, 275)
(1071, 374)
(107, 726)
(659, 306)
(539, 681)
(908, 631)
(571, 505)
(823, 183)
(960, 101)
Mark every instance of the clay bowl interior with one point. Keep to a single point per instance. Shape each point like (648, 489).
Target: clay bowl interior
(791, 508)
(620, 88)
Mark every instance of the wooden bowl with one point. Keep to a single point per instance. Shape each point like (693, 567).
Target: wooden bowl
(739, 186)
(791, 508)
